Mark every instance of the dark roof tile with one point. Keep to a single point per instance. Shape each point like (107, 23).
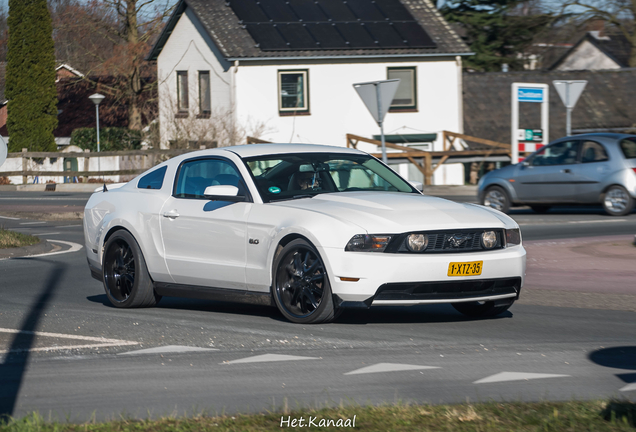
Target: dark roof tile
(607, 103)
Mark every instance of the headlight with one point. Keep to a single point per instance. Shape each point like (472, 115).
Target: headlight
(368, 243)
(417, 242)
(488, 239)
(513, 237)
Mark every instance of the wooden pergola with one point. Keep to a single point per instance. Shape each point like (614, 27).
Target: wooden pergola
(423, 160)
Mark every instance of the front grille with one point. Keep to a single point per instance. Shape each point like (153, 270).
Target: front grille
(448, 290)
(440, 241)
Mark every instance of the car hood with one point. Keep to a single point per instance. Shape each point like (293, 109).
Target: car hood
(388, 212)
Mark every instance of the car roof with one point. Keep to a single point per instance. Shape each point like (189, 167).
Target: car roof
(610, 135)
(250, 150)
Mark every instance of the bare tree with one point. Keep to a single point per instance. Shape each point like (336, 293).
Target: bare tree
(116, 35)
(216, 129)
(621, 14)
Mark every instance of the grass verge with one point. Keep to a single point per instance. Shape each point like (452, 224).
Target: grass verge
(614, 415)
(12, 239)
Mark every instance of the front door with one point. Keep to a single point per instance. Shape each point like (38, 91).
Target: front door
(548, 176)
(205, 241)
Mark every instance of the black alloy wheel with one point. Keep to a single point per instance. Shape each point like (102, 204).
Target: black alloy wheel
(126, 279)
(119, 273)
(301, 286)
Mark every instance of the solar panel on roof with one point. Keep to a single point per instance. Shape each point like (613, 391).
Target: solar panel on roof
(297, 36)
(267, 37)
(386, 35)
(365, 10)
(327, 35)
(330, 24)
(393, 10)
(308, 10)
(277, 10)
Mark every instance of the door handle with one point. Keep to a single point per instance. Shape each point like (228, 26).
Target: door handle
(172, 214)
(567, 171)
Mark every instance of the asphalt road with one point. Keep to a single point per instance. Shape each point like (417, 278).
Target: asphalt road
(76, 356)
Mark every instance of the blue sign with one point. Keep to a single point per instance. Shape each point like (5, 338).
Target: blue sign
(530, 94)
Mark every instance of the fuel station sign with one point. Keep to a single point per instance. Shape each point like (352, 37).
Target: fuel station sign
(528, 140)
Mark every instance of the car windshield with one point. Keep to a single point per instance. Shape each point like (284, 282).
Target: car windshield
(301, 175)
(628, 145)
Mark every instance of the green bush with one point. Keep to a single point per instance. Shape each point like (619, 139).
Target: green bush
(110, 139)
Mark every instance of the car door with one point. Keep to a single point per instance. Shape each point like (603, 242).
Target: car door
(547, 176)
(594, 166)
(205, 241)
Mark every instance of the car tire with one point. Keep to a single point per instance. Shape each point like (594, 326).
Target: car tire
(481, 309)
(540, 208)
(617, 201)
(301, 287)
(126, 279)
(496, 197)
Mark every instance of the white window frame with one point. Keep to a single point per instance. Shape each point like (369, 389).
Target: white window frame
(294, 110)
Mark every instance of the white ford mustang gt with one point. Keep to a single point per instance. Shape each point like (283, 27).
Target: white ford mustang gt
(310, 229)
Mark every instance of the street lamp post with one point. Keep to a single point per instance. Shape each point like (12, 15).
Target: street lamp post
(96, 99)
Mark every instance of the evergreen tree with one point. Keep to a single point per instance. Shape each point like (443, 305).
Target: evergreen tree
(30, 77)
(496, 31)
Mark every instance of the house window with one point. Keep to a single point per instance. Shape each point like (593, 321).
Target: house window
(293, 94)
(204, 94)
(405, 98)
(182, 91)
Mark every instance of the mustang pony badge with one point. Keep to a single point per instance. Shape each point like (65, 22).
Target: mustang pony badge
(456, 240)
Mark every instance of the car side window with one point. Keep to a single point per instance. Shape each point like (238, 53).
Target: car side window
(562, 153)
(196, 175)
(592, 151)
(154, 180)
(628, 146)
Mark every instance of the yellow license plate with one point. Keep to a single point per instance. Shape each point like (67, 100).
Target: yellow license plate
(465, 268)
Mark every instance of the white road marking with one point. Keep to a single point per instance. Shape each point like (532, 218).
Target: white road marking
(516, 376)
(102, 342)
(168, 349)
(599, 221)
(69, 226)
(74, 247)
(10, 218)
(269, 358)
(43, 234)
(388, 367)
(32, 223)
(629, 387)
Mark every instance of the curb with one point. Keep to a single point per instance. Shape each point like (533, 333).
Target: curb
(42, 247)
(51, 187)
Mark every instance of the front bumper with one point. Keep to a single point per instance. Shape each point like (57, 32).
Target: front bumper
(408, 279)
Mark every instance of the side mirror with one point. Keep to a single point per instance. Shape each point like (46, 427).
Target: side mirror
(525, 163)
(223, 193)
(417, 185)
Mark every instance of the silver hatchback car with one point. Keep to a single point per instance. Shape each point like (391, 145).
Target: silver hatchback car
(595, 168)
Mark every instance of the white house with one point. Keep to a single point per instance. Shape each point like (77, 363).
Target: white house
(596, 50)
(283, 70)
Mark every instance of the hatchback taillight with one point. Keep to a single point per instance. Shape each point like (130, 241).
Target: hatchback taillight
(634, 169)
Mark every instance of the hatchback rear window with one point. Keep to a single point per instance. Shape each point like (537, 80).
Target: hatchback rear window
(628, 145)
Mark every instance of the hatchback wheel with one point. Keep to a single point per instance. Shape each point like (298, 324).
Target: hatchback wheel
(497, 198)
(126, 279)
(617, 201)
(301, 287)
